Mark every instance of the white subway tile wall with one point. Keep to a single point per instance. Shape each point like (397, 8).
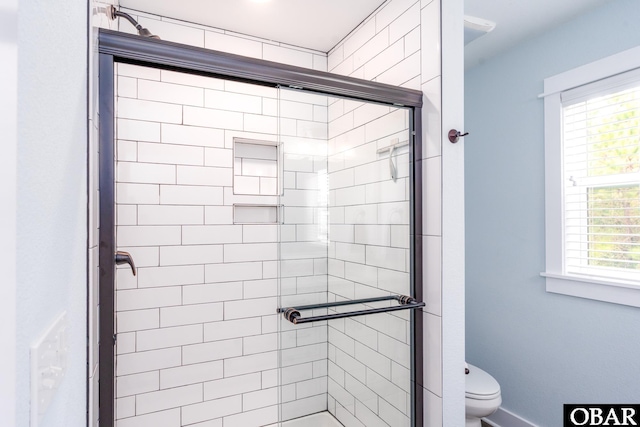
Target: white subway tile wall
(391, 27)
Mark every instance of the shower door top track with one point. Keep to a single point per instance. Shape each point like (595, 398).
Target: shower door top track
(190, 59)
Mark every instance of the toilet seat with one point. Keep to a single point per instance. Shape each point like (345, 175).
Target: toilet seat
(479, 385)
(481, 396)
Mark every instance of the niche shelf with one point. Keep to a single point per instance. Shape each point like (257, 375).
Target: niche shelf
(255, 214)
(255, 167)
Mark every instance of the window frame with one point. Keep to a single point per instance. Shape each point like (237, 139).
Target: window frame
(626, 292)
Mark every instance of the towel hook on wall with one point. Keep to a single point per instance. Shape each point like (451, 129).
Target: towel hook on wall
(455, 135)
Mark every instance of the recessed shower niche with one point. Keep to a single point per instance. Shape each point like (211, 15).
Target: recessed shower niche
(255, 167)
(275, 253)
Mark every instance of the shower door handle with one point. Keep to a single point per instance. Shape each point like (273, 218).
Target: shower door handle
(292, 314)
(125, 258)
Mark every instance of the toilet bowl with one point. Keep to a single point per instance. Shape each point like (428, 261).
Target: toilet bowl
(482, 396)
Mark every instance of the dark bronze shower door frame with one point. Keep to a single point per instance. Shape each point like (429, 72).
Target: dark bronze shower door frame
(120, 47)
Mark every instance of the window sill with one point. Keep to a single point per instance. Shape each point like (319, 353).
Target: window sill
(613, 291)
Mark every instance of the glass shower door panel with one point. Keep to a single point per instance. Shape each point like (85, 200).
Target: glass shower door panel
(369, 257)
(354, 186)
(303, 251)
(196, 328)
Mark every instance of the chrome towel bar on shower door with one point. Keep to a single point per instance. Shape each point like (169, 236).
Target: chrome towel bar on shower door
(292, 314)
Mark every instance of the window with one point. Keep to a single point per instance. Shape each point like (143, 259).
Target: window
(601, 164)
(592, 154)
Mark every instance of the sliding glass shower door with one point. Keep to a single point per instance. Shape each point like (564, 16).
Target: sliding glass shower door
(263, 243)
(344, 263)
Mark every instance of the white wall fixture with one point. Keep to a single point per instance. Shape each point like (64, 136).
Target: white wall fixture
(48, 366)
(476, 27)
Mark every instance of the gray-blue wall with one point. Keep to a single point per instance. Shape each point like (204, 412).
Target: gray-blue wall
(544, 349)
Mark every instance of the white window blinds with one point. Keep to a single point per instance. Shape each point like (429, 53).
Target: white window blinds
(601, 177)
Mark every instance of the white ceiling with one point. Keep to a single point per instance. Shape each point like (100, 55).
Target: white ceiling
(321, 24)
(314, 24)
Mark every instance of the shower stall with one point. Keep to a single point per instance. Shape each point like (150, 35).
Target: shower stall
(260, 259)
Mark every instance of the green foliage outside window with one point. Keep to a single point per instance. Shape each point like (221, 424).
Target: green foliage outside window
(612, 138)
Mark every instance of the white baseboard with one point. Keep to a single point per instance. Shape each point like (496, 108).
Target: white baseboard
(505, 418)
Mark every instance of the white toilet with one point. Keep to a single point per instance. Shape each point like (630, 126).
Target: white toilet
(482, 396)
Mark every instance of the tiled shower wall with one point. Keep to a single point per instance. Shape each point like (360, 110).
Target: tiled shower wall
(369, 356)
(400, 44)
